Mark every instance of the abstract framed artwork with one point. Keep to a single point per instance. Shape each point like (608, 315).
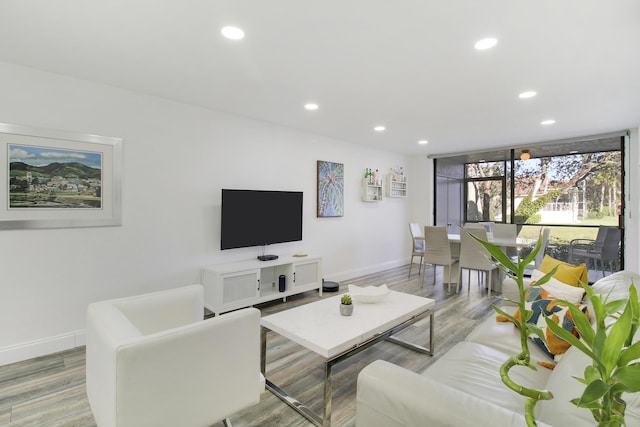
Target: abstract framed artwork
(54, 179)
(330, 189)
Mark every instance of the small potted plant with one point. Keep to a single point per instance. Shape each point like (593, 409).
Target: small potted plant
(346, 305)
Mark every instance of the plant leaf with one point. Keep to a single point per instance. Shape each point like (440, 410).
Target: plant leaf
(598, 342)
(629, 376)
(633, 300)
(533, 329)
(591, 373)
(507, 315)
(570, 338)
(593, 392)
(614, 306)
(532, 255)
(629, 354)
(598, 308)
(544, 279)
(616, 339)
(497, 253)
(582, 323)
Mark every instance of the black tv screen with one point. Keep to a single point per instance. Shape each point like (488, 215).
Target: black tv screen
(257, 217)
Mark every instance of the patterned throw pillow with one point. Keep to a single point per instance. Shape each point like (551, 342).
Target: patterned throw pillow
(542, 304)
(553, 346)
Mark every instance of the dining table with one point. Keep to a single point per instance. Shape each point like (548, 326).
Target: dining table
(502, 242)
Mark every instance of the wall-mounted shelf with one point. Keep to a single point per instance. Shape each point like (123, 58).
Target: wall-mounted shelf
(396, 188)
(370, 192)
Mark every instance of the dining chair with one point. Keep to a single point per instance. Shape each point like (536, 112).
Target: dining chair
(603, 248)
(488, 225)
(417, 241)
(473, 256)
(578, 248)
(437, 251)
(506, 232)
(537, 261)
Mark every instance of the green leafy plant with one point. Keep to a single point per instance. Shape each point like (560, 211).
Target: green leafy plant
(515, 270)
(527, 211)
(614, 369)
(346, 299)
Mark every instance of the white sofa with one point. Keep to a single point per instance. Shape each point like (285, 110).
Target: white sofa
(463, 387)
(153, 361)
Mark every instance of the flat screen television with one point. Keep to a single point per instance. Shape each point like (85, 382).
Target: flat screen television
(258, 217)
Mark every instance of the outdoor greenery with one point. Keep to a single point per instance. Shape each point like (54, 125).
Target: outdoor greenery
(527, 211)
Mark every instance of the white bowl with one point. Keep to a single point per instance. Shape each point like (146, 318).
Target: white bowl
(368, 294)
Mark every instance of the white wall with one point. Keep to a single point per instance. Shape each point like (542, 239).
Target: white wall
(176, 160)
(421, 178)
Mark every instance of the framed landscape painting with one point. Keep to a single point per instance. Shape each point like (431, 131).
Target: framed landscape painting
(330, 189)
(53, 179)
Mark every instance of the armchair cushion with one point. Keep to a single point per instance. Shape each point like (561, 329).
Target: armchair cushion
(194, 373)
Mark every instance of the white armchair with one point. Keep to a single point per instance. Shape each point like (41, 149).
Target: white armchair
(153, 361)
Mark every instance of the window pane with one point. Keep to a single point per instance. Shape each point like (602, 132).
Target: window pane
(574, 189)
(484, 201)
(484, 170)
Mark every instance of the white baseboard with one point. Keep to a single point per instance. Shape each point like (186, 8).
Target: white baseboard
(29, 350)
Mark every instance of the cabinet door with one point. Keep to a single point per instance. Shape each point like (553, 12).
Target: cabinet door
(306, 273)
(240, 286)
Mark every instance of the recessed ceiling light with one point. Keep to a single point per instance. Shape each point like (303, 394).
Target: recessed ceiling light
(481, 160)
(379, 128)
(311, 106)
(573, 152)
(423, 142)
(487, 43)
(232, 33)
(547, 122)
(527, 94)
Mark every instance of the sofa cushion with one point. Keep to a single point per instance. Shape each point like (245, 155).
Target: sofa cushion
(474, 369)
(559, 410)
(566, 273)
(504, 337)
(616, 286)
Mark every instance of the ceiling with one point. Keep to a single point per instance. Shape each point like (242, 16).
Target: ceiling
(559, 148)
(409, 65)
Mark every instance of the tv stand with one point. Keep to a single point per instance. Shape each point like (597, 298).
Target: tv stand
(267, 257)
(242, 284)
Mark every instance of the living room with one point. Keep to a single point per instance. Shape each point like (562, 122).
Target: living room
(177, 156)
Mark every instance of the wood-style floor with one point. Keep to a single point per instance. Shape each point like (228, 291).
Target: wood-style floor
(49, 390)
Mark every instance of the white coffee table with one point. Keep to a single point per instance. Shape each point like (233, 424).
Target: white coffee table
(321, 328)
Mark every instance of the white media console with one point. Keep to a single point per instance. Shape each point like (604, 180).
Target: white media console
(242, 284)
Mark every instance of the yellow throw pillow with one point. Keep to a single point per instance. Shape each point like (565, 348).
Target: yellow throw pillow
(566, 273)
